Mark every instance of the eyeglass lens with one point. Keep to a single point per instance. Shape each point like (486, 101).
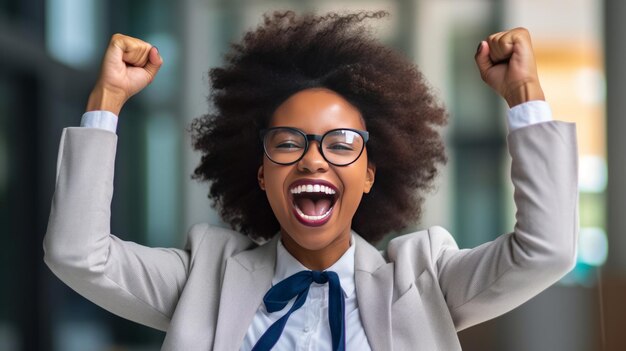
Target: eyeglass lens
(339, 147)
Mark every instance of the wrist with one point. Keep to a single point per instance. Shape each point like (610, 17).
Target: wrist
(527, 91)
(102, 99)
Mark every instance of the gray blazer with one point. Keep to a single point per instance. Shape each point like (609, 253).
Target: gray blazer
(414, 296)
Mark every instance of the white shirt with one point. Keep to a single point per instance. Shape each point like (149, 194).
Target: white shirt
(307, 327)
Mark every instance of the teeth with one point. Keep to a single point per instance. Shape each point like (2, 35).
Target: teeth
(309, 188)
(313, 218)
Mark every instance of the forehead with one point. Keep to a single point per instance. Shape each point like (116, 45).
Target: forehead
(316, 111)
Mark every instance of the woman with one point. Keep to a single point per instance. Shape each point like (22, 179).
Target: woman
(322, 141)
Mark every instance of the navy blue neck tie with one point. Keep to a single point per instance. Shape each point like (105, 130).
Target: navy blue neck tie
(298, 286)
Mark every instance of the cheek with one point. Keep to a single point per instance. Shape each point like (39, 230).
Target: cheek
(354, 182)
(274, 181)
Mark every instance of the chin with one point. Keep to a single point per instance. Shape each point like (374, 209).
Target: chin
(313, 238)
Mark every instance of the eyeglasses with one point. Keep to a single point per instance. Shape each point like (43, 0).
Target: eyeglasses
(339, 147)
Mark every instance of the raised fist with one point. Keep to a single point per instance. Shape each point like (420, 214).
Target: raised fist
(129, 65)
(507, 64)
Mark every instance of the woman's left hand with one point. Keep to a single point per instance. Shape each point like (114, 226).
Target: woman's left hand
(507, 64)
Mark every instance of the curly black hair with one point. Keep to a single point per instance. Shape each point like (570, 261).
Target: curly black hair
(288, 53)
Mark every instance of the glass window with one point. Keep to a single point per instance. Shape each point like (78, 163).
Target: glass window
(73, 30)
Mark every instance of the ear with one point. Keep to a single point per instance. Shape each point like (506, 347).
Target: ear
(370, 174)
(260, 176)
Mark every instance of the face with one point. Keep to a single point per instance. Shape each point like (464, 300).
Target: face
(316, 224)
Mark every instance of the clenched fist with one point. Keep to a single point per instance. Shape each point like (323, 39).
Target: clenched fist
(507, 64)
(129, 65)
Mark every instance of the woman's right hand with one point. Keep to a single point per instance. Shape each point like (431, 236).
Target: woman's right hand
(129, 65)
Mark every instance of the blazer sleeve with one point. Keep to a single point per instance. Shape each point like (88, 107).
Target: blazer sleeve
(481, 283)
(133, 281)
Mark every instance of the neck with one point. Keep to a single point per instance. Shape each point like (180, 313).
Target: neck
(318, 259)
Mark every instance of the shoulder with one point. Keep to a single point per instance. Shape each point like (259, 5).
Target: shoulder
(428, 242)
(416, 252)
(205, 237)
(212, 246)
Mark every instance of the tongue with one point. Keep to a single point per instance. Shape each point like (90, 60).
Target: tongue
(313, 208)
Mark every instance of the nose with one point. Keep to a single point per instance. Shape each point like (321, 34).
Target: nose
(313, 161)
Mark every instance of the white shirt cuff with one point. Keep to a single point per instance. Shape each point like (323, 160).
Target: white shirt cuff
(100, 119)
(528, 113)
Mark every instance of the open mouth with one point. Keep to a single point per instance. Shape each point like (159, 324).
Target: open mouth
(313, 201)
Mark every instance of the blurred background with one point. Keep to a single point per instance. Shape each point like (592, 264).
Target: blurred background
(50, 51)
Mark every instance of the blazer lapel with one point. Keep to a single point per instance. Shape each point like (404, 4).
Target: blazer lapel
(374, 286)
(247, 278)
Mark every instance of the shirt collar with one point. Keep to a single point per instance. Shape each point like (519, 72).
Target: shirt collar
(287, 265)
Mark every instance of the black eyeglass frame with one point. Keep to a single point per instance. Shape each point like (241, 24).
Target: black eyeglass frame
(314, 137)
